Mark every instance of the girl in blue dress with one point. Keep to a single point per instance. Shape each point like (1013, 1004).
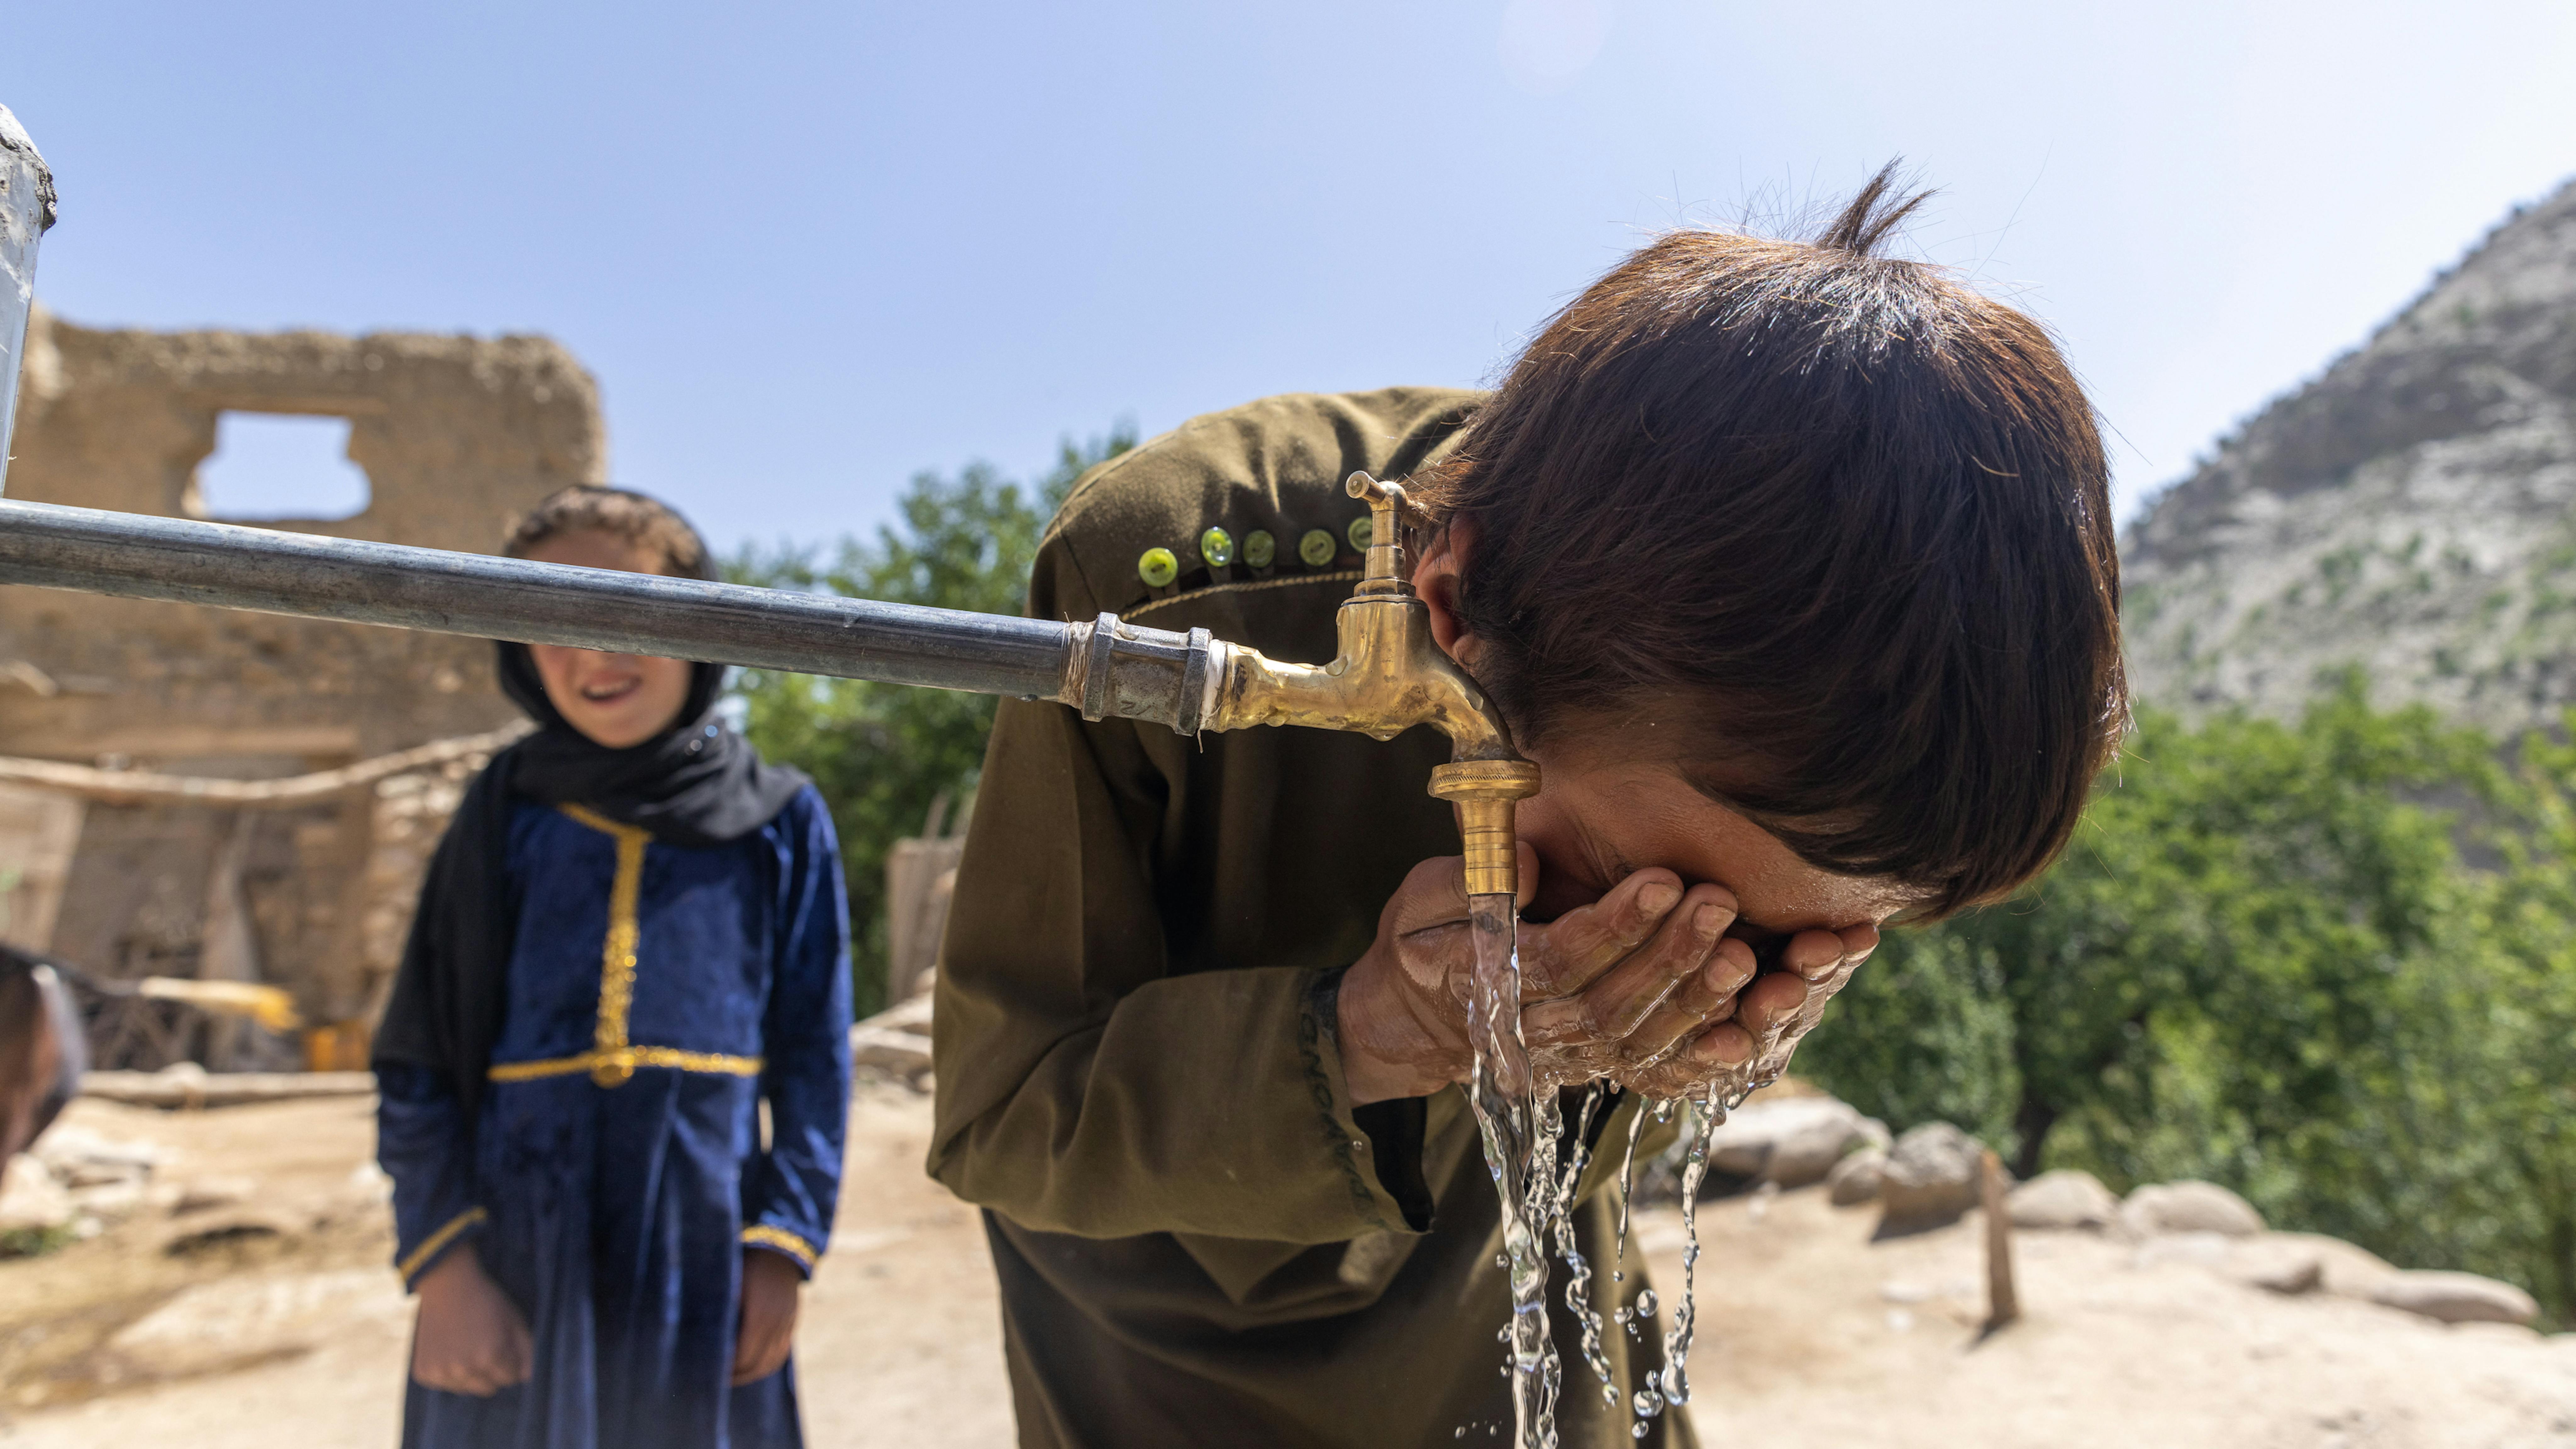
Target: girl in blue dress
(631, 942)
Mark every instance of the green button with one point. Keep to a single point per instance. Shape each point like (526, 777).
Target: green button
(1259, 548)
(1158, 568)
(1317, 548)
(1362, 532)
(1217, 547)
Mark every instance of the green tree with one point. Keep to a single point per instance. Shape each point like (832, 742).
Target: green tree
(883, 754)
(2247, 886)
(2509, 1051)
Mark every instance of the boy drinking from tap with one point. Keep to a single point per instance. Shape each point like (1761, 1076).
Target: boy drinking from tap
(1792, 566)
(631, 941)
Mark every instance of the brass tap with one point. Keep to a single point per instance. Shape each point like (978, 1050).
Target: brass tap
(1389, 677)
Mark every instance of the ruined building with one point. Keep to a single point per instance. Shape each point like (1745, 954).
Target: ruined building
(456, 436)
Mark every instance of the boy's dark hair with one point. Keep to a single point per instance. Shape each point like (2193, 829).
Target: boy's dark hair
(1838, 522)
(645, 522)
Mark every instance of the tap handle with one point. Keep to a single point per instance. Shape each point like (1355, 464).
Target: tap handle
(1386, 503)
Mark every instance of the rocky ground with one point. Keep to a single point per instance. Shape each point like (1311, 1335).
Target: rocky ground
(240, 1299)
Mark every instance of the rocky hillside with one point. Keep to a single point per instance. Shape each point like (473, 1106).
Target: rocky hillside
(2411, 511)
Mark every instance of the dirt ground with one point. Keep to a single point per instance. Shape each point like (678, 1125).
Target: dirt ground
(269, 1319)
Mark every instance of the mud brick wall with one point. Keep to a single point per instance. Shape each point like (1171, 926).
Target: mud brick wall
(457, 437)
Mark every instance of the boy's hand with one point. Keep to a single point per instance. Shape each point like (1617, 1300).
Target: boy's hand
(470, 1338)
(771, 1288)
(1600, 973)
(1751, 1040)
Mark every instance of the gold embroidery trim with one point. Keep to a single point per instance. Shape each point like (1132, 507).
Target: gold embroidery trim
(610, 1069)
(430, 1247)
(611, 1061)
(1247, 586)
(765, 1236)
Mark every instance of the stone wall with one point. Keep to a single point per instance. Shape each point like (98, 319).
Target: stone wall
(457, 436)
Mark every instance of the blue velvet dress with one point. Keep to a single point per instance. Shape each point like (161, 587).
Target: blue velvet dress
(658, 996)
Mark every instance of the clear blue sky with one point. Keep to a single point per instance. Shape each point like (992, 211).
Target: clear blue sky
(810, 250)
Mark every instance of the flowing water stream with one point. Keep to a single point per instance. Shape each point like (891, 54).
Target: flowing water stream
(1507, 1114)
(1537, 1167)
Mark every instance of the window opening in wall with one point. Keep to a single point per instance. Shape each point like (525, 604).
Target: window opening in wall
(276, 466)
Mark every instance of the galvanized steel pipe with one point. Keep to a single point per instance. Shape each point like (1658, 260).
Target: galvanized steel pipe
(1104, 667)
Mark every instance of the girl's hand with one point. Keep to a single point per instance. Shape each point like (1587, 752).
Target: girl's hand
(771, 1289)
(471, 1339)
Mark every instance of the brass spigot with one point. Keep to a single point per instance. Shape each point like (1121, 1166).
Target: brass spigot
(1389, 677)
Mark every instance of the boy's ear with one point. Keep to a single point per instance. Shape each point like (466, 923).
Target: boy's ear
(1436, 576)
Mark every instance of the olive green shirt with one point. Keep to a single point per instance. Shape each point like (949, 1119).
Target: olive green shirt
(1199, 1240)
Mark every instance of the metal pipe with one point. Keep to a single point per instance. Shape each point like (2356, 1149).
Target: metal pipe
(26, 210)
(1104, 667)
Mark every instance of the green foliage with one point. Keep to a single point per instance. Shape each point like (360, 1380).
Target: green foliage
(2512, 1027)
(36, 1242)
(2331, 964)
(883, 754)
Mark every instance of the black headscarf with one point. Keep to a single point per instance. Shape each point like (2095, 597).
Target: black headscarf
(696, 783)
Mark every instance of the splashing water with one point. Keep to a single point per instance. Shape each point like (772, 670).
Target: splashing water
(1627, 1176)
(1677, 1339)
(1564, 1184)
(1506, 1118)
(1537, 1169)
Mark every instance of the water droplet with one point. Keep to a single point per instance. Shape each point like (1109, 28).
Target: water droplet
(1647, 1403)
(1638, 1429)
(1646, 1303)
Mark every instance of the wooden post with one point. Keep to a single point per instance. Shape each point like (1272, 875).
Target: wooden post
(2003, 1305)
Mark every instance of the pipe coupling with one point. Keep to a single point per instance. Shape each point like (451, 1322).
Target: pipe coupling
(1484, 792)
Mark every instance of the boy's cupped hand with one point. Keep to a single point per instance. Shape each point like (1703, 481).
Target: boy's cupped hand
(471, 1339)
(1644, 986)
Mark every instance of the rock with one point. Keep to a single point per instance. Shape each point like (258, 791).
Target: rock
(896, 1042)
(233, 1321)
(2065, 1198)
(217, 1231)
(1931, 1179)
(201, 1194)
(1792, 1142)
(2456, 1298)
(1857, 1178)
(2349, 1271)
(2277, 1265)
(113, 1200)
(79, 1157)
(30, 1199)
(2289, 1278)
(2188, 1207)
(2198, 1250)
